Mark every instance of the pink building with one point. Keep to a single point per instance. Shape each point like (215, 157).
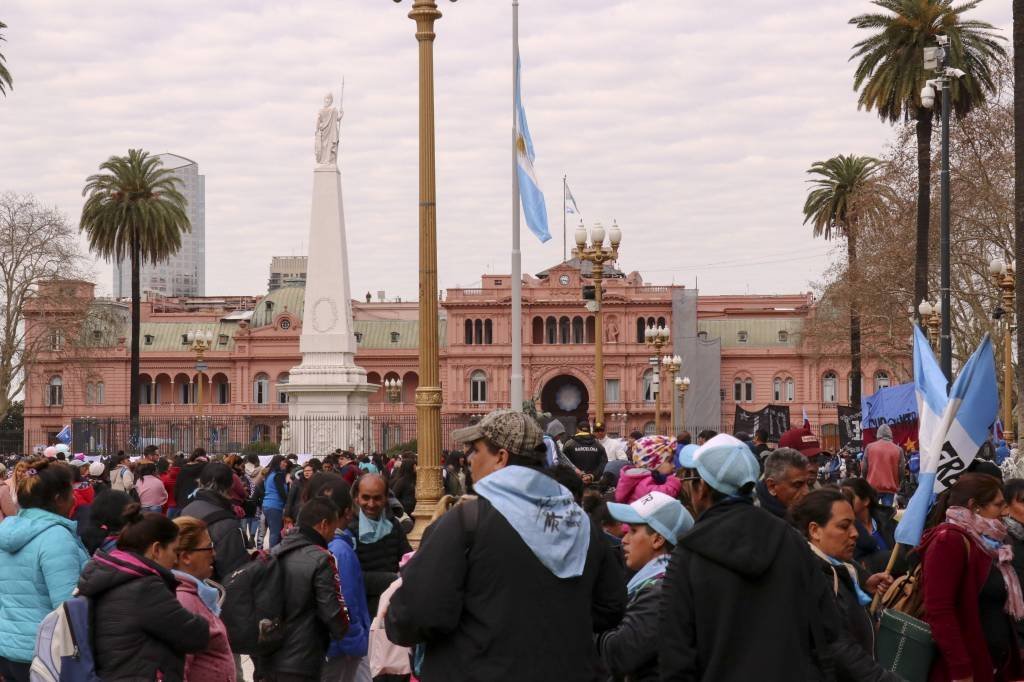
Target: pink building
(737, 350)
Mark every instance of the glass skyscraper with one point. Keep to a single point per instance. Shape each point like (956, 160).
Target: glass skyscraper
(183, 274)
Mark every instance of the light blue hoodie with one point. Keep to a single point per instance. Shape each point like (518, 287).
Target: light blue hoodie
(544, 514)
(40, 560)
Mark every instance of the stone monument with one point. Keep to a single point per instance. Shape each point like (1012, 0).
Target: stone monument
(327, 392)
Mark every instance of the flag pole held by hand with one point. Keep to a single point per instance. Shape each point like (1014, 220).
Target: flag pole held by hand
(888, 569)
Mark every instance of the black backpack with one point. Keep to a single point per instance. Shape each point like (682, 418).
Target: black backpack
(253, 608)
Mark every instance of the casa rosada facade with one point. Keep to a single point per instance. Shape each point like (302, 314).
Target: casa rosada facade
(737, 350)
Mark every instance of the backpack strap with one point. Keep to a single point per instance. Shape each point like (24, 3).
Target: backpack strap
(219, 515)
(469, 513)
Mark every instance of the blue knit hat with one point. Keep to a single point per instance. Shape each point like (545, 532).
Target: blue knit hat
(726, 464)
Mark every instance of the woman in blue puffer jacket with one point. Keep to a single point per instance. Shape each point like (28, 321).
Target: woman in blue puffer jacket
(40, 559)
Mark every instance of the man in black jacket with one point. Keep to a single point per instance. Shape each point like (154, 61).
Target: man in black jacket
(380, 540)
(586, 453)
(314, 610)
(211, 505)
(741, 569)
(188, 478)
(513, 584)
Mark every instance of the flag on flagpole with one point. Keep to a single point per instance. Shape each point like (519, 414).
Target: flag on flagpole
(65, 435)
(532, 198)
(951, 427)
(570, 202)
(807, 421)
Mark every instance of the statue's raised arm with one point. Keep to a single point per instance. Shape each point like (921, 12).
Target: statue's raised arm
(328, 125)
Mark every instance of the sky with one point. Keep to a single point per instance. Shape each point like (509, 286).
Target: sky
(690, 124)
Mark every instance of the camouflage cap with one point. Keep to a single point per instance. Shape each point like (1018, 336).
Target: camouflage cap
(508, 429)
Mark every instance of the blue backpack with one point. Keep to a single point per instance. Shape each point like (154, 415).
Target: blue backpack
(63, 645)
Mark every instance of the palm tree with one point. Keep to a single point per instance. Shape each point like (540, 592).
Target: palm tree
(134, 211)
(891, 73)
(5, 75)
(844, 192)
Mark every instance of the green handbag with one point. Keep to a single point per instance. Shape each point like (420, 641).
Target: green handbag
(905, 645)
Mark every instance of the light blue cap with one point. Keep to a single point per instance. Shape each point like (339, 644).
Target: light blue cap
(666, 515)
(685, 458)
(726, 464)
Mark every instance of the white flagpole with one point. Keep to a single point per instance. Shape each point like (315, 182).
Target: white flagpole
(516, 323)
(565, 185)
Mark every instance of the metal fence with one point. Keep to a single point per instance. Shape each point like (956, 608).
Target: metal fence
(243, 434)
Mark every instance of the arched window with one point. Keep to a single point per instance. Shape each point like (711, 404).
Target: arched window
(641, 330)
(563, 330)
(261, 389)
(478, 329)
(651, 321)
(145, 392)
(101, 393)
(469, 332)
(748, 390)
(551, 329)
(790, 390)
(478, 387)
(737, 390)
(577, 329)
(829, 387)
(777, 390)
(590, 327)
(90, 393)
(55, 392)
(538, 330)
(185, 392)
(488, 332)
(647, 385)
(282, 397)
(661, 322)
(223, 393)
(881, 380)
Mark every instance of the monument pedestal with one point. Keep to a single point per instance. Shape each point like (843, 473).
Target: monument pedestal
(328, 392)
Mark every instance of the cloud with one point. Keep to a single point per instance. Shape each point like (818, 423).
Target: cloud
(691, 124)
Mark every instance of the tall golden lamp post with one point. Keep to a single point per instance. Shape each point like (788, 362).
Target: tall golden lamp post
(931, 316)
(682, 385)
(1002, 275)
(656, 337)
(598, 254)
(428, 393)
(672, 363)
(200, 341)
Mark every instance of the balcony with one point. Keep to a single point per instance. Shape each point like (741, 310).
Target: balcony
(178, 409)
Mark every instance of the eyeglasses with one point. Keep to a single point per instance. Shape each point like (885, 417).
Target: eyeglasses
(197, 549)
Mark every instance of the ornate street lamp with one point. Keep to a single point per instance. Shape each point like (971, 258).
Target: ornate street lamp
(598, 254)
(200, 341)
(682, 385)
(656, 337)
(1003, 277)
(393, 389)
(672, 363)
(931, 316)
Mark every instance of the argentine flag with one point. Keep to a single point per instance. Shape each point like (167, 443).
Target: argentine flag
(534, 210)
(952, 427)
(570, 202)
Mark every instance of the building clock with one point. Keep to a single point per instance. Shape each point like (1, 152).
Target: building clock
(564, 280)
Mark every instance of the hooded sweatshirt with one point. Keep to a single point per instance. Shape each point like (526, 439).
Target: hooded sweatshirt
(40, 559)
(519, 569)
(884, 462)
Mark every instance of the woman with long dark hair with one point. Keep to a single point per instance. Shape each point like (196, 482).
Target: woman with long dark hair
(874, 523)
(972, 595)
(140, 631)
(40, 559)
(403, 483)
(275, 497)
(106, 518)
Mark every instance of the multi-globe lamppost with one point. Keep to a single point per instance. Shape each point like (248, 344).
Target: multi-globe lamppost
(1003, 277)
(672, 363)
(682, 385)
(200, 341)
(597, 253)
(932, 319)
(428, 393)
(656, 337)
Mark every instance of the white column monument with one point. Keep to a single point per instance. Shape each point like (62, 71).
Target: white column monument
(327, 392)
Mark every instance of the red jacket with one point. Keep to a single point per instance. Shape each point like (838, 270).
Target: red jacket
(952, 578)
(215, 663)
(170, 478)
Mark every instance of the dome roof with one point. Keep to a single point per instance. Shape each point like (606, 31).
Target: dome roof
(290, 298)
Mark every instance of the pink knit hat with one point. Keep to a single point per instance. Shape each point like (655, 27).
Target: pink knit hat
(651, 452)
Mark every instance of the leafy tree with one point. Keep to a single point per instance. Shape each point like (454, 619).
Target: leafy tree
(134, 211)
(891, 73)
(834, 207)
(5, 76)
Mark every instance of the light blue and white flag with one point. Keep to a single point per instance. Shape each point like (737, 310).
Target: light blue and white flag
(65, 435)
(532, 198)
(570, 202)
(951, 427)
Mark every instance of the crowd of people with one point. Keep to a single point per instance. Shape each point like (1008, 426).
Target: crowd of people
(552, 555)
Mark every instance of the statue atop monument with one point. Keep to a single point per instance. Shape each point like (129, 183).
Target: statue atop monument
(328, 124)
